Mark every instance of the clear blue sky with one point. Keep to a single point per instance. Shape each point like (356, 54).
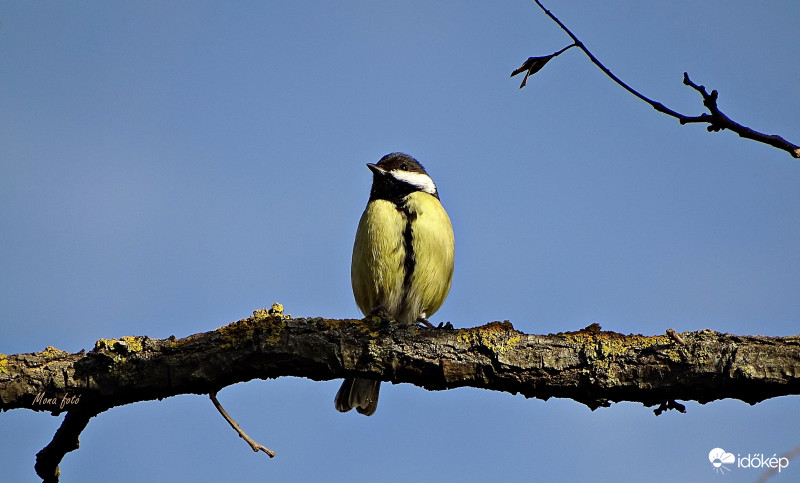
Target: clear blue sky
(169, 167)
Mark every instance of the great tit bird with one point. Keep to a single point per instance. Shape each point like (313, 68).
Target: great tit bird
(402, 257)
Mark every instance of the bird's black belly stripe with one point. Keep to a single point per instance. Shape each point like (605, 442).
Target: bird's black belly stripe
(408, 244)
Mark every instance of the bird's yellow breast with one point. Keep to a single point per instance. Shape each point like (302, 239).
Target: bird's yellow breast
(403, 257)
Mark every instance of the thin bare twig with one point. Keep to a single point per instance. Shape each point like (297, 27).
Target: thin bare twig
(715, 118)
(795, 452)
(253, 444)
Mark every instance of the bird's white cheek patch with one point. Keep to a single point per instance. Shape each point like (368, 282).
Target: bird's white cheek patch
(420, 180)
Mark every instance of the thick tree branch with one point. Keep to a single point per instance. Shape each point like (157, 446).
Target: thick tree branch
(590, 366)
(715, 118)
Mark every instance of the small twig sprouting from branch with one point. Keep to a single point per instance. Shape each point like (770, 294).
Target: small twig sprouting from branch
(65, 440)
(715, 118)
(253, 444)
(718, 121)
(535, 64)
(675, 336)
(656, 105)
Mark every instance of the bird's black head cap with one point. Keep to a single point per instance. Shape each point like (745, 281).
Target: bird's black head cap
(397, 175)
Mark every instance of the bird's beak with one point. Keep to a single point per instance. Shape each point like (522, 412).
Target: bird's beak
(376, 170)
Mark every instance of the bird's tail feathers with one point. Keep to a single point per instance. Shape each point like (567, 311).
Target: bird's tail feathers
(358, 393)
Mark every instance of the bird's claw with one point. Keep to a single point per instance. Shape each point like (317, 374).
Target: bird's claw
(442, 325)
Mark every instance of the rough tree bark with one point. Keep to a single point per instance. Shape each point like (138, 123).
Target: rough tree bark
(590, 366)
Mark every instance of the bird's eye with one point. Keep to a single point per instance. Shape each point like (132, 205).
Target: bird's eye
(404, 166)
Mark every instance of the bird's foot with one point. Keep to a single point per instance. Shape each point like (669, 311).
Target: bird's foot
(667, 405)
(442, 325)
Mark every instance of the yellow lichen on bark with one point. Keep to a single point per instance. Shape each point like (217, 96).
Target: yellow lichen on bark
(499, 337)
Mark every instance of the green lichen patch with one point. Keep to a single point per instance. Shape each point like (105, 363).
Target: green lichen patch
(126, 345)
(265, 324)
(611, 345)
(134, 344)
(52, 353)
(498, 337)
(3, 364)
(175, 342)
(104, 344)
(274, 329)
(371, 325)
(236, 333)
(275, 310)
(121, 353)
